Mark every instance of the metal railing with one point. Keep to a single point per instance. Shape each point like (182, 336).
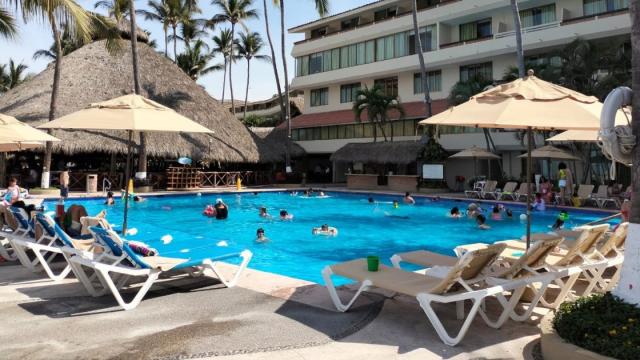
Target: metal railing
(224, 179)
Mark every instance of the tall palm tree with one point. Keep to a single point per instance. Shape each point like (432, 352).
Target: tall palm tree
(518, 29)
(191, 29)
(233, 12)
(423, 68)
(224, 45)
(195, 60)
(79, 22)
(4, 79)
(16, 73)
(8, 28)
(179, 11)
(322, 7)
(159, 11)
(117, 9)
(273, 59)
(378, 106)
(249, 47)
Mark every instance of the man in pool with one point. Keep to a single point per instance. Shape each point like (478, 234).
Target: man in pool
(408, 199)
(325, 229)
(264, 213)
(222, 211)
(481, 221)
(473, 210)
(110, 200)
(284, 215)
(260, 236)
(455, 212)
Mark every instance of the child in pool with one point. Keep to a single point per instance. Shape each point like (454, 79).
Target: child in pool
(408, 199)
(264, 213)
(509, 213)
(538, 203)
(371, 200)
(284, 215)
(395, 204)
(562, 217)
(455, 212)
(325, 229)
(110, 200)
(496, 214)
(260, 236)
(480, 220)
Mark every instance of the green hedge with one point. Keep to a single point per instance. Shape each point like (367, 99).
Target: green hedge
(601, 323)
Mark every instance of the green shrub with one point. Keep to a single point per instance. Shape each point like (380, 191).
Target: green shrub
(601, 323)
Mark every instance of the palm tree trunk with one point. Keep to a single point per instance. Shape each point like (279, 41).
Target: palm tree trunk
(166, 43)
(175, 43)
(233, 35)
(287, 106)
(246, 91)
(57, 70)
(224, 78)
(273, 60)
(518, 29)
(629, 285)
(142, 149)
(423, 68)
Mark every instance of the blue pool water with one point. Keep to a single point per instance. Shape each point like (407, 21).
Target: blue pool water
(364, 229)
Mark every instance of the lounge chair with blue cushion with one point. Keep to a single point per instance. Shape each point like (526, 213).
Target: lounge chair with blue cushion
(115, 276)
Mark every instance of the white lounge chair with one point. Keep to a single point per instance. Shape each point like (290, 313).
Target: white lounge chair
(608, 254)
(479, 188)
(601, 197)
(508, 191)
(522, 192)
(459, 284)
(115, 276)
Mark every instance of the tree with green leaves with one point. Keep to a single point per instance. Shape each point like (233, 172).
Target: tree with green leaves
(170, 13)
(322, 7)
(249, 47)
(16, 73)
(8, 28)
(117, 9)
(223, 44)
(191, 29)
(377, 105)
(273, 58)
(195, 60)
(56, 13)
(233, 12)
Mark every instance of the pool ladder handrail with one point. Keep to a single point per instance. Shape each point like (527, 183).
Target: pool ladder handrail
(106, 185)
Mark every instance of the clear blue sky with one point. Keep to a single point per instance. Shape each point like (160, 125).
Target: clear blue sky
(34, 36)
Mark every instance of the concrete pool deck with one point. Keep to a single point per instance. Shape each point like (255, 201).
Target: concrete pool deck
(267, 316)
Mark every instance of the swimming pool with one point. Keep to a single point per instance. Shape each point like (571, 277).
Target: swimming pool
(364, 229)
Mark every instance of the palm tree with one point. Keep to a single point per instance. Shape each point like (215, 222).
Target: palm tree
(4, 78)
(191, 29)
(322, 7)
(378, 105)
(224, 46)
(195, 60)
(462, 91)
(423, 68)
(159, 12)
(273, 59)
(16, 73)
(232, 12)
(179, 12)
(249, 48)
(518, 30)
(117, 9)
(8, 27)
(79, 23)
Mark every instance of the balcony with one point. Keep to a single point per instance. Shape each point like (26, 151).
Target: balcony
(464, 42)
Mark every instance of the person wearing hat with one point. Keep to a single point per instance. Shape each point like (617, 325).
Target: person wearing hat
(222, 211)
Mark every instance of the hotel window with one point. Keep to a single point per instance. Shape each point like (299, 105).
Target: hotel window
(385, 14)
(401, 45)
(370, 50)
(367, 131)
(344, 57)
(389, 85)
(349, 92)
(315, 63)
(335, 59)
(353, 55)
(326, 61)
(320, 97)
(320, 32)
(361, 53)
(349, 24)
(475, 30)
(349, 132)
(305, 65)
(434, 78)
(538, 15)
(595, 7)
(483, 71)
(380, 49)
(423, 4)
(333, 132)
(427, 37)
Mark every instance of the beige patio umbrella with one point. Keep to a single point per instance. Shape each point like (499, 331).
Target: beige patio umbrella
(131, 113)
(474, 153)
(622, 118)
(16, 135)
(528, 103)
(550, 152)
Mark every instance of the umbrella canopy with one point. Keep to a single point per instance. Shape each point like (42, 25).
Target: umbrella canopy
(18, 146)
(522, 104)
(474, 153)
(550, 152)
(129, 112)
(623, 117)
(14, 132)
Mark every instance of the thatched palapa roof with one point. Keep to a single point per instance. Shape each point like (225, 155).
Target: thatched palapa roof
(275, 142)
(91, 75)
(398, 152)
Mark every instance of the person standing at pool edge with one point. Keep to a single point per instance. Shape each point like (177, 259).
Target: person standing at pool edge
(565, 182)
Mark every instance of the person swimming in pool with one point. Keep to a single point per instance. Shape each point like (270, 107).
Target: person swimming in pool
(496, 214)
(509, 213)
(473, 210)
(395, 204)
(284, 215)
(481, 221)
(264, 213)
(371, 201)
(325, 229)
(222, 211)
(455, 212)
(110, 200)
(408, 199)
(563, 216)
(260, 236)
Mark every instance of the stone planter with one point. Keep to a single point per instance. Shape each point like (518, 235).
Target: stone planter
(556, 348)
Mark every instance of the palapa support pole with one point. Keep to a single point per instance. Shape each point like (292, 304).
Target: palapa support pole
(529, 171)
(127, 175)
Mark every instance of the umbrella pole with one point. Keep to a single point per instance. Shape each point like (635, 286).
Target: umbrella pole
(529, 171)
(127, 175)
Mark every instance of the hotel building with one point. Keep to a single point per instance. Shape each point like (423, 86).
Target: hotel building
(375, 44)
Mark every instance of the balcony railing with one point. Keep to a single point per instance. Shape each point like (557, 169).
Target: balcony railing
(369, 23)
(464, 42)
(595, 16)
(529, 29)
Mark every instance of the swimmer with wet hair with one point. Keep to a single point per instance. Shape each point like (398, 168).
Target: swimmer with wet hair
(481, 221)
(455, 212)
(260, 236)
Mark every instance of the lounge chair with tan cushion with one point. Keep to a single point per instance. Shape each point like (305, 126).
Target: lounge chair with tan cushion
(608, 254)
(458, 284)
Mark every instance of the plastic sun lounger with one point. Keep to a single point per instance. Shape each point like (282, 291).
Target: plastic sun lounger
(478, 188)
(450, 288)
(602, 198)
(568, 263)
(522, 269)
(609, 254)
(522, 192)
(150, 267)
(489, 190)
(507, 192)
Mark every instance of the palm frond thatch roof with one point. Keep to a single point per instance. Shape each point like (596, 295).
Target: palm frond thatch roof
(91, 75)
(275, 142)
(398, 152)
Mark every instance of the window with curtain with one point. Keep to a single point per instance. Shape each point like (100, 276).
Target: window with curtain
(315, 63)
(335, 59)
(595, 7)
(469, 72)
(349, 92)
(380, 49)
(434, 78)
(326, 61)
(305, 65)
(370, 51)
(401, 45)
(538, 15)
(388, 47)
(319, 97)
(361, 53)
(468, 31)
(353, 55)
(397, 127)
(388, 85)
(344, 57)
